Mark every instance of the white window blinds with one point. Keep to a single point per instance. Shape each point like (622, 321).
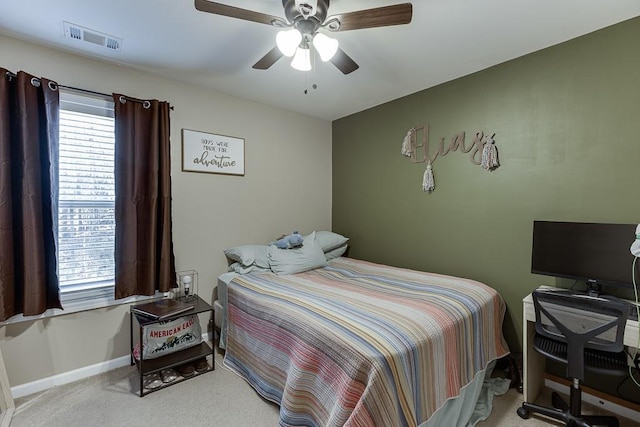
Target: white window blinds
(86, 221)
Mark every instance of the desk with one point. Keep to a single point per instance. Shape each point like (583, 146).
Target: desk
(533, 363)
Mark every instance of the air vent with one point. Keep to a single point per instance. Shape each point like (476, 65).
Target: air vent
(87, 35)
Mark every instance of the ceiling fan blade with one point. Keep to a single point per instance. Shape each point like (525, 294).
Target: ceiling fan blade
(397, 14)
(343, 62)
(236, 12)
(269, 59)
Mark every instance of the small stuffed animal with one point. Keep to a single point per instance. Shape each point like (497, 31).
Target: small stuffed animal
(292, 240)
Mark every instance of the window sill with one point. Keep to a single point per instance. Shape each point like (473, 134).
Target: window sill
(75, 301)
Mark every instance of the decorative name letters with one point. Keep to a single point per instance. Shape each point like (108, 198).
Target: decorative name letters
(482, 148)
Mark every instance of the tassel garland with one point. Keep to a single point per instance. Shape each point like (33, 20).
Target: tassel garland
(406, 143)
(428, 183)
(489, 155)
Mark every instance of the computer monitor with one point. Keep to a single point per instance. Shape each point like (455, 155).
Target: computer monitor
(597, 254)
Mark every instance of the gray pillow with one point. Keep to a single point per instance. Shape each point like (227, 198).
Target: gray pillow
(337, 252)
(329, 240)
(248, 255)
(236, 267)
(291, 261)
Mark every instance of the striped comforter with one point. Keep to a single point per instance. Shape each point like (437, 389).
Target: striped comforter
(361, 344)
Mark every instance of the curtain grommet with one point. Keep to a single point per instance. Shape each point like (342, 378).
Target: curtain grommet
(35, 82)
(122, 100)
(146, 104)
(53, 86)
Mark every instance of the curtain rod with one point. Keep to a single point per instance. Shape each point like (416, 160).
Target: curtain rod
(142, 101)
(106, 95)
(12, 75)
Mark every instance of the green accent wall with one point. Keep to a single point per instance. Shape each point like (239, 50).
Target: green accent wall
(567, 126)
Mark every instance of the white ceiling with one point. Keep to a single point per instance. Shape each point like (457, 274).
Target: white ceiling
(447, 39)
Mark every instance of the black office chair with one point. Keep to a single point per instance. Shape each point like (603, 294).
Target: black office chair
(584, 333)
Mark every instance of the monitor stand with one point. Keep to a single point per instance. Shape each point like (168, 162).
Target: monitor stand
(594, 289)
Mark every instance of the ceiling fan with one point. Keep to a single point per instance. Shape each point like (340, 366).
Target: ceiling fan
(300, 30)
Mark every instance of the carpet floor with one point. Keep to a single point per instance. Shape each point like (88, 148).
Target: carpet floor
(217, 398)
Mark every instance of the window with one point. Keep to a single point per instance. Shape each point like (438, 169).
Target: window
(86, 204)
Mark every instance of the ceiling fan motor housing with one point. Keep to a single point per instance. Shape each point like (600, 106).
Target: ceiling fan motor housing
(295, 14)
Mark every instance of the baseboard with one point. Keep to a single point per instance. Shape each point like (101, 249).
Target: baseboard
(75, 375)
(69, 377)
(602, 400)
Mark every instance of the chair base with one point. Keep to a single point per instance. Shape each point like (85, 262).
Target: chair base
(562, 412)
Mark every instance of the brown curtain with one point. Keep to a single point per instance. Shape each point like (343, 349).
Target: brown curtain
(144, 247)
(29, 109)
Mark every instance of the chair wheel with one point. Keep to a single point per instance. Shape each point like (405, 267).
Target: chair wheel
(523, 413)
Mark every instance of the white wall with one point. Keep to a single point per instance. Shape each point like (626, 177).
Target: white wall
(287, 186)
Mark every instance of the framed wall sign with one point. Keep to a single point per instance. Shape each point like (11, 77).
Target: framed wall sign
(211, 153)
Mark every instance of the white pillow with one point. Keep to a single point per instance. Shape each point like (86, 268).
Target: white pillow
(291, 261)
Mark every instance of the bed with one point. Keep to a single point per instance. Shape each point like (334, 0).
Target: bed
(356, 343)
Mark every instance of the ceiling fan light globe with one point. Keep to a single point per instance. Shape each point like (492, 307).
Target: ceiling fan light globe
(302, 60)
(288, 41)
(326, 46)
